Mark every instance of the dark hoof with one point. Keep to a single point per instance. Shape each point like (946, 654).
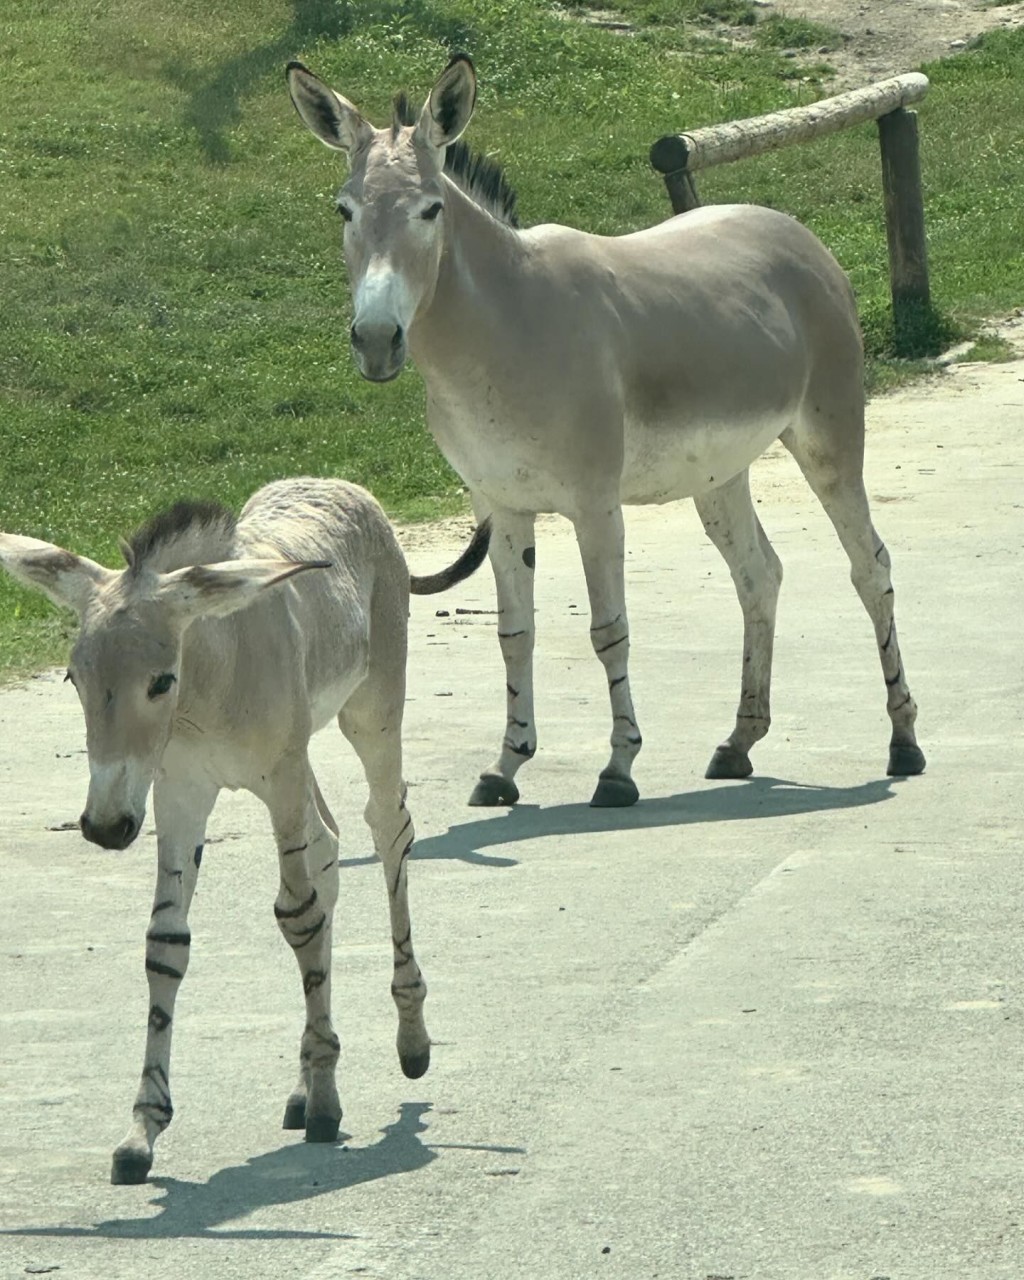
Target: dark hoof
(129, 1168)
(294, 1115)
(493, 789)
(322, 1129)
(905, 760)
(727, 762)
(415, 1065)
(614, 792)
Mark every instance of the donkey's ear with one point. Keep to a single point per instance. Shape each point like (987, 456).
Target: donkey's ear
(215, 590)
(67, 579)
(448, 109)
(332, 118)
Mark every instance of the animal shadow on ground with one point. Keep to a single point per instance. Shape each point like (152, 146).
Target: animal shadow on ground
(758, 798)
(214, 102)
(296, 1172)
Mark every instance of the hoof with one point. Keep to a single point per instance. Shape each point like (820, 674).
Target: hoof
(614, 792)
(322, 1129)
(727, 762)
(415, 1065)
(905, 760)
(493, 789)
(294, 1115)
(130, 1167)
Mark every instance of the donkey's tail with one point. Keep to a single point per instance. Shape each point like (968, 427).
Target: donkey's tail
(470, 560)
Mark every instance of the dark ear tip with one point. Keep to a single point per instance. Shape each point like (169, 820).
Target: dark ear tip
(295, 65)
(461, 57)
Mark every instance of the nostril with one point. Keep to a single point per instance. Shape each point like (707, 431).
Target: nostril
(398, 337)
(354, 337)
(124, 831)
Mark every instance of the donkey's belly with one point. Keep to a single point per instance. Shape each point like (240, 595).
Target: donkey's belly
(663, 463)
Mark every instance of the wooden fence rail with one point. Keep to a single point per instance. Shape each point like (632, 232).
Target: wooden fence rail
(678, 156)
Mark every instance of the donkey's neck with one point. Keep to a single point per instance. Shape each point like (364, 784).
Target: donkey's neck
(481, 270)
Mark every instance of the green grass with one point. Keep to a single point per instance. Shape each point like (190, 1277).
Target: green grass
(174, 312)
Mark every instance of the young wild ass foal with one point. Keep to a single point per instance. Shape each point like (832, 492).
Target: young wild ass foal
(182, 691)
(573, 373)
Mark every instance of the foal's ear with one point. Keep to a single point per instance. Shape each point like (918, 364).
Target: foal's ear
(448, 109)
(332, 118)
(67, 579)
(215, 590)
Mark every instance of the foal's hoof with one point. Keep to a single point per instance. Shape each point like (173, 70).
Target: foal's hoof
(614, 792)
(130, 1167)
(905, 760)
(727, 762)
(322, 1129)
(294, 1114)
(493, 789)
(415, 1065)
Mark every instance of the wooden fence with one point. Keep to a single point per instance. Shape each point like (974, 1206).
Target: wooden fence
(678, 156)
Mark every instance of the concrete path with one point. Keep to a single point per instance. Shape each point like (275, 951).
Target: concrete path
(768, 1030)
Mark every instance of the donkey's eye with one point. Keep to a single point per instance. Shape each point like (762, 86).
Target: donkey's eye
(344, 212)
(160, 685)
(429, 214)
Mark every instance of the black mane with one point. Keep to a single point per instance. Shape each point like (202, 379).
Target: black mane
(480, 177)
(190, 519)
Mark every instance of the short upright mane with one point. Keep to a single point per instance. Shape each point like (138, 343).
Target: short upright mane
(480, 177)
(193, 531)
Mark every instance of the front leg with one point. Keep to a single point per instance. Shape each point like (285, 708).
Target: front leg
(513, 555)
(601, 539)
(181, 812)
(308, 858)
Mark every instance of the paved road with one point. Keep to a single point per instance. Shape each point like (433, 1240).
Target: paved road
(768, 1030)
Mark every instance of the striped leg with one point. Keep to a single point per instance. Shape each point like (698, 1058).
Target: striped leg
(181, 813)
(732, 525)
(846, 504)
(602, 547)
(307, 849)
(372, 722)
(513, 557)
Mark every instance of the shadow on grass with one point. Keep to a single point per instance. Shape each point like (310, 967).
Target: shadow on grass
(758, 798)
(214, 104)
(291, 1174)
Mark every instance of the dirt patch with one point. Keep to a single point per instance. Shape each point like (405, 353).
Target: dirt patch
(886, 37)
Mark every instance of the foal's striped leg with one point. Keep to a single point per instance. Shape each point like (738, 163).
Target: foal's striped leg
(732, 525)
(601, 541)
(181, 816)
(372, 722)
(513, 556)
(307, 850)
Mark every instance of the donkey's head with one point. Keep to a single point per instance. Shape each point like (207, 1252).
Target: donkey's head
(126, 661)
(393, 205)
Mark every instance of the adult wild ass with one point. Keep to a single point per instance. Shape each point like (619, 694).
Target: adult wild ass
(194, 675)
(573, 373)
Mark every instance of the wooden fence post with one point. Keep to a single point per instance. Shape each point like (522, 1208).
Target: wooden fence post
(904, 211)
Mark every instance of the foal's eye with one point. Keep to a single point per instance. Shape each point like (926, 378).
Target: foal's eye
(429, 214)
(160, 685)
(344, 212)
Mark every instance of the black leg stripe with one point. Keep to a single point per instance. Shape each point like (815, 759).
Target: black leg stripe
(284, 913)
(611, 645)
(164, 970)
(170, 938)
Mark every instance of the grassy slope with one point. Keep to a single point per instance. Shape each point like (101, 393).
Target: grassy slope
(174, 312)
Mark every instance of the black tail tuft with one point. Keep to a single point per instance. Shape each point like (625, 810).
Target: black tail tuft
(470, 560)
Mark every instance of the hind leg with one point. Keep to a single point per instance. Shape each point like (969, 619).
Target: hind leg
(732, 525)
(372, 722)
(840, 490)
